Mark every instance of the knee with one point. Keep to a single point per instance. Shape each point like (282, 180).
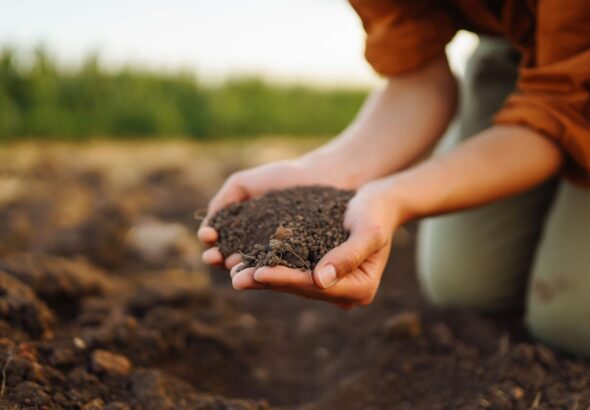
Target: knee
(456, 286)
(559, 319)
(450, 277)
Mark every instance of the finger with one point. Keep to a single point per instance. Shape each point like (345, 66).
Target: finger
(284, 277)
(230, 192)
(212, 256)
(207, 235)
(347, 257)
(359, 287)
(244, 279)
(232, 260)
(236, 269)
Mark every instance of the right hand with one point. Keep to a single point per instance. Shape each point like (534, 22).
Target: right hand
(251, 183)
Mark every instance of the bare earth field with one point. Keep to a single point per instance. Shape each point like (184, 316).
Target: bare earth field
(104, 304)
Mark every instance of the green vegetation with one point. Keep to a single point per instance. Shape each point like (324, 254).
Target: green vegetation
(41, 99)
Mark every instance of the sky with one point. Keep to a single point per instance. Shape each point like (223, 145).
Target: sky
(303, 41)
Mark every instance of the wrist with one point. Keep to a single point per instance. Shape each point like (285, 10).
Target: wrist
(331, 166)
(398, 199)
(386, 204)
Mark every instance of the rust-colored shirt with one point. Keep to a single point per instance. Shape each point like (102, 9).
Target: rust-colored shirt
(553, 89)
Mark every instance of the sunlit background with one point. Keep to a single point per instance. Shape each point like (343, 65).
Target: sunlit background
(310, 41)
(197, 69)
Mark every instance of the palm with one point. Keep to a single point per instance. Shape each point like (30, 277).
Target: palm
(355, 267)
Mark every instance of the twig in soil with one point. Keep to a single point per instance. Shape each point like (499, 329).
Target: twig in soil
(252, 258)
(308, 270)
(4, 368)
(536, 401)
(305, 263)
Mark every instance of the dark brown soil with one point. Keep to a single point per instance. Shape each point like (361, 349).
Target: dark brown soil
(126, 319)
(293, 227)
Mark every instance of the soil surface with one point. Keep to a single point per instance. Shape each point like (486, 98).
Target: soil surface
(293, 227)
(105, 305)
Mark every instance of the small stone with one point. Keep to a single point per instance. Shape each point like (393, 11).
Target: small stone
(406, 324)
(261, 374)
(247, 321)
(518, 393)
(96, 404)
(282, 233)
(107, 362)
(79, 343)
(275, 244)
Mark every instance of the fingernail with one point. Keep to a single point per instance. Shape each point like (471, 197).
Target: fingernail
(327, 276)
(257, 275)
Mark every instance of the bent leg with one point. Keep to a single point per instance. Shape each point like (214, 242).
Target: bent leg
(481, 258)
(559, 291)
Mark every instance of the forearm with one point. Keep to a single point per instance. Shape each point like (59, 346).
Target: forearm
(396, 126)
(499, 162)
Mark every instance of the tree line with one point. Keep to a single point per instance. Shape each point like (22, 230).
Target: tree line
(39, 98)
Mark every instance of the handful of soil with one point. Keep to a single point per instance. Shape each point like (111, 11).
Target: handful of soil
(294, 227)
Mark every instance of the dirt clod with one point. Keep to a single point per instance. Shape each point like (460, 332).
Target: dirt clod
(405, 324)
(21, 308)
(96, 404)
(293, 227)
(31, 394)
(107, 362)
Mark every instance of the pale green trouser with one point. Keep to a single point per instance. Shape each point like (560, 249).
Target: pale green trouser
(534, 245)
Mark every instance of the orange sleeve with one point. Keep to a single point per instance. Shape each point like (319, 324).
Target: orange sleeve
(403, 35)
(553, 90)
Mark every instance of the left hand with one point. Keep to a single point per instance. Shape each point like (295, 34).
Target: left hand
(348, 275)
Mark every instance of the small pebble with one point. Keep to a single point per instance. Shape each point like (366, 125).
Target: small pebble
(107, 362)
(406, 324)
(518, 393)
(79, 343)
(96, 404)
(247, 321)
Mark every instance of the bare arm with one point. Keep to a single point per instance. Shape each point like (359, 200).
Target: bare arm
(397, 125)
(496, 163)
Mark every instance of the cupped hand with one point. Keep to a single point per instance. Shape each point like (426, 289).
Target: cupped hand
(348, 275)
(251, 183)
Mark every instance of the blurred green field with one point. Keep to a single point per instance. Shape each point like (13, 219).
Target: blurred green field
(39, 98)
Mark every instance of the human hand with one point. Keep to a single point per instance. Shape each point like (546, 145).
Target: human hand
(254, 182)
(348, 275)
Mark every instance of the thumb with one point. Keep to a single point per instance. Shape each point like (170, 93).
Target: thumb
(232, 191)
(346, 257)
